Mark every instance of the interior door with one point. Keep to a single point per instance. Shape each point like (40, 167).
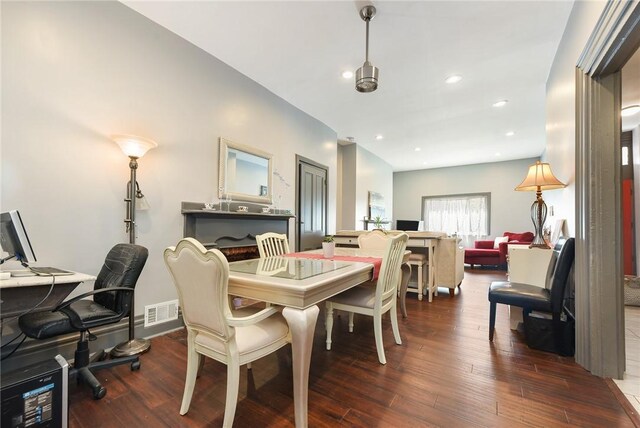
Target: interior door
(628, 215)
(312, 205)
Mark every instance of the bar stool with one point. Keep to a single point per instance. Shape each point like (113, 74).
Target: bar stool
(419, 260)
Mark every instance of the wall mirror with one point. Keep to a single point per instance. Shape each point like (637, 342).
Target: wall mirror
(245, 173)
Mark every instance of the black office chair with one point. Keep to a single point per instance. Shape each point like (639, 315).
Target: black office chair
(112, 291)
(533, 298)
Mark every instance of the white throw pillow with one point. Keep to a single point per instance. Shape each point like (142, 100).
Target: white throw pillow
(498, 240)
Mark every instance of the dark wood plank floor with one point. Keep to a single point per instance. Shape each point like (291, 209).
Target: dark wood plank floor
(446, 373)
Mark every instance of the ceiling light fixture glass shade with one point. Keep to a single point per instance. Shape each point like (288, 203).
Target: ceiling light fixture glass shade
(367, 75)
(455, 78)
(134, 146)
(630, 110)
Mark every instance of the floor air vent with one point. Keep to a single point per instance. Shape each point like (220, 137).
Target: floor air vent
(160, 312)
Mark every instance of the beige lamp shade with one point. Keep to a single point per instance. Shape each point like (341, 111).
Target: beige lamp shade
(134, 146)
(540, 177)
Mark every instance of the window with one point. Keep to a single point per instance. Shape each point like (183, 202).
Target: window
(466, 214)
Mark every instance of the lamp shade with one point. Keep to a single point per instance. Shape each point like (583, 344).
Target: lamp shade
(540, 177)
(134, 146)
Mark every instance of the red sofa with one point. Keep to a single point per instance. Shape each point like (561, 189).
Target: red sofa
(483, 252)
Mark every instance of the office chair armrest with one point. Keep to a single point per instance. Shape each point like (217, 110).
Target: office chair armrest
(252, 319)
(66, 303)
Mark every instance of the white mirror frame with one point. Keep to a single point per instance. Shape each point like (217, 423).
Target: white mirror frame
(225, 145)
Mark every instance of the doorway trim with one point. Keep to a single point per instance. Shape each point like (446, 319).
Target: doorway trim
(299, 161)
(600, 343)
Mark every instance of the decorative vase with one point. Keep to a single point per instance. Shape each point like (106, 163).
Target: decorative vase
(328, 249)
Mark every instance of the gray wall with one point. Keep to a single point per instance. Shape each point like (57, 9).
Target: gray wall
(376, 175)
(560, 106)
(74, 73)
(361, 172)
(510, 210)
(347, 185)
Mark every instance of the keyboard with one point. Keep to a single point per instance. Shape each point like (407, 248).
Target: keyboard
(49, 271)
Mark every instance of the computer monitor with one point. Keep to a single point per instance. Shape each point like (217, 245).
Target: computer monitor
(408, 224)
(14, 239)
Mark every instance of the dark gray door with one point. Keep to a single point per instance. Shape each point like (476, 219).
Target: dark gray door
(312, 205)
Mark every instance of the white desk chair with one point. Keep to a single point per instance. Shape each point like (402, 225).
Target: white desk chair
(376, 300)
(272, 244)
(201, 277)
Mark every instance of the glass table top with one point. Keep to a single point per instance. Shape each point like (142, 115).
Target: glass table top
(287, 267)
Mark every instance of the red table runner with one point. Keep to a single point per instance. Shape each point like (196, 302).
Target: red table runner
(375, 261)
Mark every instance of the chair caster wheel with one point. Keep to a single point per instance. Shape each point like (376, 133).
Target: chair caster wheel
(135, 366)
(99, 392)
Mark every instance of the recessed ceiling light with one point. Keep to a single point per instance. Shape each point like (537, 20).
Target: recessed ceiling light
(500, 103)
(497, 153)
(454, 78)
(424, 163)
(417, 149)
(510, 134)
(630, 110)
(347, 74)
(379, 137)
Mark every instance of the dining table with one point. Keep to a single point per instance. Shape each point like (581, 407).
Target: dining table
(299, 284)
(365, 255)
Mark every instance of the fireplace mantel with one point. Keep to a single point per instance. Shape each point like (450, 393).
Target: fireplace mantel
(230, 229)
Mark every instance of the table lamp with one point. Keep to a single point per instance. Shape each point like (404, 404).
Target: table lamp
(135, 147)
(539, 178)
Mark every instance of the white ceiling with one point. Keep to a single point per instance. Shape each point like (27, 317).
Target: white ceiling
(631, 90)
(298, 50)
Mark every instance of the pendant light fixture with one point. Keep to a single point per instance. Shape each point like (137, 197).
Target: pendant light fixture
(367, 75)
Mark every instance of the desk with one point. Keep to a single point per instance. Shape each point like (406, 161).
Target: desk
(299, 295)
(18, 294)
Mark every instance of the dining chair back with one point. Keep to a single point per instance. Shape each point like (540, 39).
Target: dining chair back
(201, 278)
(374, 240)
(272, 244)
(377, 240)
(374, 298)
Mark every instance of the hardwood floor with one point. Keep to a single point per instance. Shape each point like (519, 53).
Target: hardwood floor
(630, 385)
(446, 373)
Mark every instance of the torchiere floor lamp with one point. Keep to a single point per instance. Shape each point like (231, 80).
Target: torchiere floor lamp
(134, 147)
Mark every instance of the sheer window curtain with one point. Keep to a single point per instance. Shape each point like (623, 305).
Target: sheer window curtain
(464, 216)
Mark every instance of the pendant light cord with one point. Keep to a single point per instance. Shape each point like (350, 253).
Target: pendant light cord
(366, 52)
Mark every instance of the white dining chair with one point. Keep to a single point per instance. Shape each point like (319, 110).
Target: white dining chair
(374, 240)
(201, 277)
(377, 240)
(374, 300)
(272, 244)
